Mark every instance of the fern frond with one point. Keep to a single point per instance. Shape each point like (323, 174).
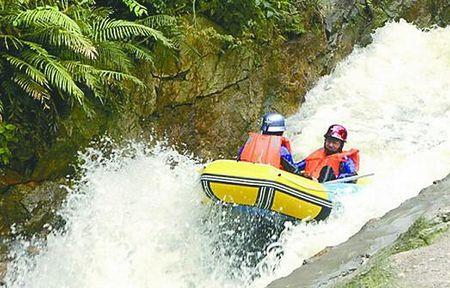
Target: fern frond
(111, 76)
(76, 67)
(8, 17)
(87, 75)
(55, 73)
(35, 47)
(111, 57)
(32, 88)
(70, 39)
(9, 40)
(159, 21)
(108, 29)
(28, 69)
(44, 16)
(137, 52)
(135, 7)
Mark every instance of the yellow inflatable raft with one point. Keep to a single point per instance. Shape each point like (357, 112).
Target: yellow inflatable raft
(266, 187)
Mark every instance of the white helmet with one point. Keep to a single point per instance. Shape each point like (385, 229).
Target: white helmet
(273, 122)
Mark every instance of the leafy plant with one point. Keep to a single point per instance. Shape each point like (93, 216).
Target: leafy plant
(135, 7)
(54, 54)
(7, 138)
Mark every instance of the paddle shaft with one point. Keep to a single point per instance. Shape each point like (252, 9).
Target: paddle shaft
(351, 178)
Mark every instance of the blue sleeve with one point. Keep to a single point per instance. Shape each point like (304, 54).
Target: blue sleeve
(347, 168)
(240, 152)
(301, 165)
(288, 157)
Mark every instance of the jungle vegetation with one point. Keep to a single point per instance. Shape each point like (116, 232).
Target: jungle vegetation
(58, 54)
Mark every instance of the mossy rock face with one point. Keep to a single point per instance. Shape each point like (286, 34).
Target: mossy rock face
(223, 95)
(12, 210)
(426, 13)
(26, 208)
(75, 133)
(9, 177)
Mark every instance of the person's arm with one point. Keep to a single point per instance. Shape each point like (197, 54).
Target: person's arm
(347, 168)
(288, 163)
(240, 152)
(301, 165)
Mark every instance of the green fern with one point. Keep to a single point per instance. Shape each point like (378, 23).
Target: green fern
(10, 42)
(88, 75)
(32, 88)
(112, 57)
(55, 73)
(109, 29)
(44, 16)
(137, 52)
(28, 69)
(70, 39)
(159, 21)
(112, 76)
(55, 55)
(135, 7)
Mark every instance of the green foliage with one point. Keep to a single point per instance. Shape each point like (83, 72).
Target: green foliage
(58, 54)
(46, 36)
(255, 19)
(378, 275)
(420, 234)
(258, 17)
(54, 54)
(7, 138)
(135, 7)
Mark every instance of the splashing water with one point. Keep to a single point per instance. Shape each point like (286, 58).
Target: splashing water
(135, 218)
(394, 98)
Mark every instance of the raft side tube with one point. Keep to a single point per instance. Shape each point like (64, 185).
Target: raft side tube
(266, 187)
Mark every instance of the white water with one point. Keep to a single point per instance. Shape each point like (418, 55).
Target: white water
(135, 219)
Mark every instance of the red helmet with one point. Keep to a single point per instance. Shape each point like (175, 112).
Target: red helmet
(337, 131)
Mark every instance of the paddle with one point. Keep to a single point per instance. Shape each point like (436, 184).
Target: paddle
(351, 178)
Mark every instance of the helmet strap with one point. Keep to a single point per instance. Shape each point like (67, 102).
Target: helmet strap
(329, 152)
(280, 133)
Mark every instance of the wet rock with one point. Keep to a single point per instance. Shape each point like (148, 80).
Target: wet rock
(9, 177)
(2, 272)
(424, 267)
(26, 208)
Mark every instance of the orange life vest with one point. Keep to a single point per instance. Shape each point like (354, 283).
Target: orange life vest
(318, 159)
(264, 149)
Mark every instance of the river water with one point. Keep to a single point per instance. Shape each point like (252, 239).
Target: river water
(135, 217)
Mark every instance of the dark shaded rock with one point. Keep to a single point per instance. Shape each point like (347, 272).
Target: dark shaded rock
(9, 177)
(26, 208)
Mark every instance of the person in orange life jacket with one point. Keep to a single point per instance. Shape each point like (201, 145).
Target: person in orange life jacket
(268, 147)
(331, 162)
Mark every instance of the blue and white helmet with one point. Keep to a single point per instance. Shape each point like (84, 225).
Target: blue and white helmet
(273, 122)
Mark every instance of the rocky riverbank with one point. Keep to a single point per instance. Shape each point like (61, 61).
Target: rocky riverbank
(385, 251)
(424, 267)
